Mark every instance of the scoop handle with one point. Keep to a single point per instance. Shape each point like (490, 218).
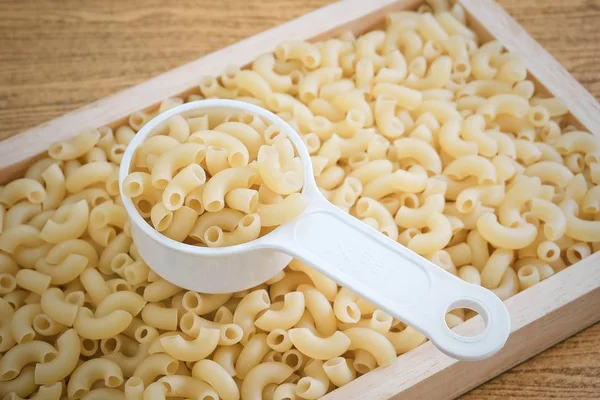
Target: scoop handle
(399, 281)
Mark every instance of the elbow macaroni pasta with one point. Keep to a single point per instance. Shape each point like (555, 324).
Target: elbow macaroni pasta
(437, 141)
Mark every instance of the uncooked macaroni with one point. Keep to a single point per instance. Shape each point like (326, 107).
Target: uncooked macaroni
(419, 130)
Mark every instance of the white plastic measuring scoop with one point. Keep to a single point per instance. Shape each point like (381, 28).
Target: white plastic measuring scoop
(397, 280)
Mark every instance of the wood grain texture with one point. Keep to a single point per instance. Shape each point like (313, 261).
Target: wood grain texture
(56, 59)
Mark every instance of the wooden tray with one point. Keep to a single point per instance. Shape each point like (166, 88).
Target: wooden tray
(543, 315)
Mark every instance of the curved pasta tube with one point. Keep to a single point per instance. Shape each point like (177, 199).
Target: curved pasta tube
(481, 60)
(188, 179)
(522, 190)
(451, 143)
(21, 235)
(489, 195)
(251, 355)
(75, 147)
(436, 78)
(282, 212)
(217, 377)
(59, 252)
(265, 65)
(88, 175)
(472, 165)
(22, 354)
(504, 104)
(147, 154)
(412, 181)
(246, 311)
(439, 235)
(53, 303)
(238, 155)
(154, 366)
(555, 222)
(194, 350)
(175, 158)
(55, 182)
(90, 327)
(501, 236)
(577, 141)
(276, 175)
(22, 189)
(230, 334)
(227, 219)
(474, 131)
(130, 302)
(89, 372)
(248, 229)
(21, 323)
(367, 46)
(286, 317)
(60, 367)
(35, 171)
(395, 68)
(309, 85)
(262, 375)
(253, 83)
(373, 342)
(407, 217)
(213, 196)
(65, 271)
(318, 306)
(316, 347)
(405, 340)
(388, 124)
(322, 283)
(103, 220)
(495, 267)
(405, 97)
(577, 228)
(339, 371)
(369, 208)
(68, 222)
(248, 135)
(550, 172)
(422, 152)
(315, 384)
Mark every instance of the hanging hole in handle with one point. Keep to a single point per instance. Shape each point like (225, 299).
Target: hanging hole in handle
(463, 310)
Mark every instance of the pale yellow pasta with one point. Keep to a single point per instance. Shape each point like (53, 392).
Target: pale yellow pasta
(501, 236)
(21, 328)
(63, 364)
(75, 147)
(248, 308)
(251, 355)
(405, 97)
(70, 221)
(22, 189)
(286, 317)
(314, 385)
(555, 223)
(373, 342)
(440, 233)
(339, 370)
(260, 376)
(282, 212)
(15, 359)
(90, 327)
(369, 208)
(217, 377)
(265, 65)
(319, 307)
(33, 281)
(577, 228)
(316, 347)
(89, 372)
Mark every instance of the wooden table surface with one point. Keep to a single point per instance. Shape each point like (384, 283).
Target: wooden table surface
(58, 56)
